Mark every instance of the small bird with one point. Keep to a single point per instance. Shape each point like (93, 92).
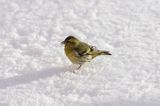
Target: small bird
(80, 52)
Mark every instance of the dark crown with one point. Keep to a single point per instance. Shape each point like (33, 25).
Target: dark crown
(69, 37)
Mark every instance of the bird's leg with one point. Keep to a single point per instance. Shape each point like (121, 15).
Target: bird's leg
(79, 66)
(75, 71)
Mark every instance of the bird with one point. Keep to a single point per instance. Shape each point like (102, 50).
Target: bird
(79, 52)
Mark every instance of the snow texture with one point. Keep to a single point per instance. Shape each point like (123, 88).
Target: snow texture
(34, 70)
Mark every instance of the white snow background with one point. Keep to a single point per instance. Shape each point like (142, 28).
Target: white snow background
(34, 70)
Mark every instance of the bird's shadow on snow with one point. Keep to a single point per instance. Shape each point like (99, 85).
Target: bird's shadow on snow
(33, 76)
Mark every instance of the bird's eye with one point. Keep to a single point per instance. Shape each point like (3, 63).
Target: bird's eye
(93, 48)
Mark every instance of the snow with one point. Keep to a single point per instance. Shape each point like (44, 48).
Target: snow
(34, 70)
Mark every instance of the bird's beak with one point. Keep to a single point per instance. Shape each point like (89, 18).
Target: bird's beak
(63, 42)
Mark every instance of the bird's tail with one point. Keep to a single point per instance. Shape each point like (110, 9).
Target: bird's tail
(104, 52)
(99, 52)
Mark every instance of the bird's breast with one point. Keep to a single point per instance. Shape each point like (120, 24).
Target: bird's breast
(70, 53)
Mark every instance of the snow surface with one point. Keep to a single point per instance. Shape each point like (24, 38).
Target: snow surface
(34, 70)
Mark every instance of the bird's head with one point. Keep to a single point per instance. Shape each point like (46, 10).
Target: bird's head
(70, 39)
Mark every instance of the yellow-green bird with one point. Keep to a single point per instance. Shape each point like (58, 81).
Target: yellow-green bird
(80, 52)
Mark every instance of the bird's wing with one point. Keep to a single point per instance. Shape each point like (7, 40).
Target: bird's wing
(83, 49)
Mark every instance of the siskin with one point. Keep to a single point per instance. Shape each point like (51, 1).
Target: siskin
(79, 52)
